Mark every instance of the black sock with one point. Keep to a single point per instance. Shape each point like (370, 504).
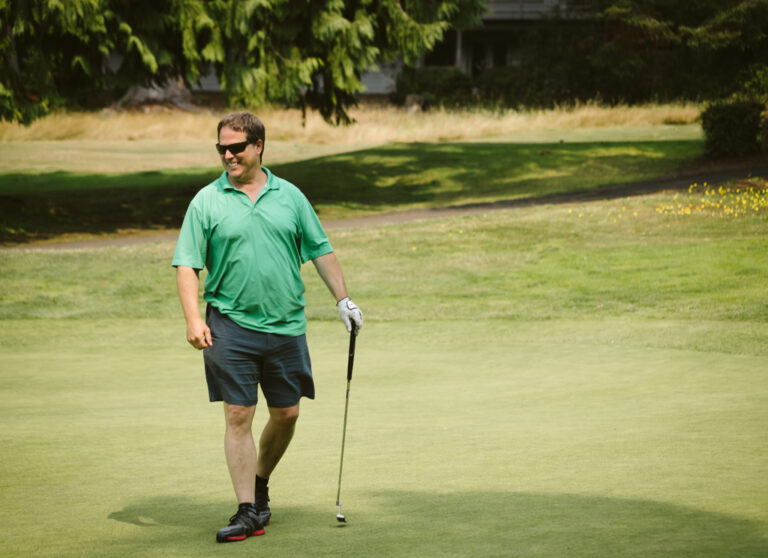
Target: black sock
(261, 483)
(246, 506)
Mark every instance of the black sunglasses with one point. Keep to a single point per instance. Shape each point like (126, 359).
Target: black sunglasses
(233, 148)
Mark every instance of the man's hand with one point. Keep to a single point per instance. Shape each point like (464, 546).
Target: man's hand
(199, 334)
(350, 314)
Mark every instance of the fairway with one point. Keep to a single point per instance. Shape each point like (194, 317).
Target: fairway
(586, 378)
(583, 379)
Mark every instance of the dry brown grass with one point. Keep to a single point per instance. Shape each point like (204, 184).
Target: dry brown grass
(375, 124)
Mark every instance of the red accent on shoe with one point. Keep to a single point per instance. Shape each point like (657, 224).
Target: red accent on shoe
(240, 538)
(258, 533)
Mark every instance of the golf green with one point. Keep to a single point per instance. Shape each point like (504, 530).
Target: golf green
(492, 438)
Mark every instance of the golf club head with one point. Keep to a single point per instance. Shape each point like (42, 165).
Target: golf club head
(340, 518)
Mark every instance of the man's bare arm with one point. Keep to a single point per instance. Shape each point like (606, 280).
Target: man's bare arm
(329, 269)
(188, 284)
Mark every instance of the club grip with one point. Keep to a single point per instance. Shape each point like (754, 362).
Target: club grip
(351, 360)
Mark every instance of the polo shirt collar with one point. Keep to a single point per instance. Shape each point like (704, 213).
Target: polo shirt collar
(272, 182)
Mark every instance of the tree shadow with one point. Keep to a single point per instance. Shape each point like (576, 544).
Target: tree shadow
(371, 180)
(45, 205)
(442, 174)
(473, 523)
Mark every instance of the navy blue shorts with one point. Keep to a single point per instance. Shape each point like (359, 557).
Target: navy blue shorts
(240, 359)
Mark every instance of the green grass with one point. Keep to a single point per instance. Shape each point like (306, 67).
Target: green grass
(400, 176)
(405, 176)
(577, 379)
(464, 438)
(583, 379)
(616, 259)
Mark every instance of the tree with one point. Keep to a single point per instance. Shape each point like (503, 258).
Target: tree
(308, 53)
(55, 52)
(39, 39)
(677, 49)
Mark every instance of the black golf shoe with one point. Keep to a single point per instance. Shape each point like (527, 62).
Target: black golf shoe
(262, 503)
(245, 523)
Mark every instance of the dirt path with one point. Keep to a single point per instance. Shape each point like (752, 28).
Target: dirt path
(710, 173)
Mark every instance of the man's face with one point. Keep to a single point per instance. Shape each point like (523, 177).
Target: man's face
(245, 164)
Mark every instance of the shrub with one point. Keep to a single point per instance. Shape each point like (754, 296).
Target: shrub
(436, 85)
(501, 87)
(520, 86)
(732, 127)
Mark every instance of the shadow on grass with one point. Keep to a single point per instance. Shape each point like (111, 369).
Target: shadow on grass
(465, 524)
(380, 179)
(444, 174)
(45, 205)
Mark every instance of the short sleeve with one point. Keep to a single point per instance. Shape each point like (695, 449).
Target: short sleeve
(192, 246)
(313, 240)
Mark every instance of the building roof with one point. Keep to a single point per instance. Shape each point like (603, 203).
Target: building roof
(504, 10)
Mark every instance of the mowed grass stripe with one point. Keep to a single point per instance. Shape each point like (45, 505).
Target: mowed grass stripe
(569, 262)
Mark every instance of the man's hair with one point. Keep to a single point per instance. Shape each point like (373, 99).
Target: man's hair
(245, 122)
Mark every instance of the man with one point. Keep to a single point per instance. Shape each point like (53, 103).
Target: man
(252, 231)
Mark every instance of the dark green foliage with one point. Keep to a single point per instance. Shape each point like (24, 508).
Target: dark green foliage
(50, 50)
(436, 86)
(308, 53)
(755, 84)
(633, 51)
(525, 86)
(664, 49)
(312, 53)
(502, 87)
(732, 127)
(79, 53)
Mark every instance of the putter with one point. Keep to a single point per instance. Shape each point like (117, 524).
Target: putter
(339, 516)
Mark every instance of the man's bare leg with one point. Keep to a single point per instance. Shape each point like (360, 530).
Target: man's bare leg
(275, 438)
(240, 450)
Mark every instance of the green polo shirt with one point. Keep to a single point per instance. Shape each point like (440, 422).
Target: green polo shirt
(253, 251)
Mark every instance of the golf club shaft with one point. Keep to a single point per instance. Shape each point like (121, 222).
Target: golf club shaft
(343, 439)
(350, 363)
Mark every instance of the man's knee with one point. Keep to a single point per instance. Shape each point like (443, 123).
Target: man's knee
(284, 416)
(238, 416)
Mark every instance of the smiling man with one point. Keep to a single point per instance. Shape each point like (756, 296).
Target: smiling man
(252, 231)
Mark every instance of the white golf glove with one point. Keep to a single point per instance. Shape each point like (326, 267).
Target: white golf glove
(350, 314)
